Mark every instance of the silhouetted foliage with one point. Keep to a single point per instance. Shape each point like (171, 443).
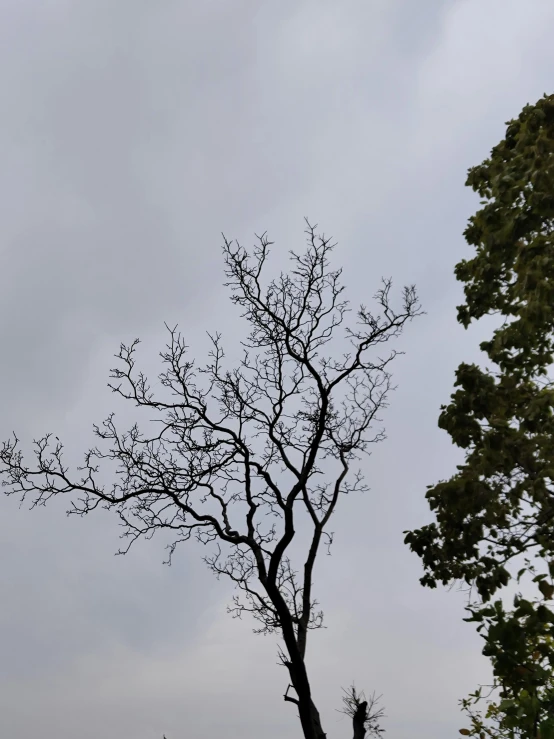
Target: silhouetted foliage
(496, 513)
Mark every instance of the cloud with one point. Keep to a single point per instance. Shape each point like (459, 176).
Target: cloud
(133, 134)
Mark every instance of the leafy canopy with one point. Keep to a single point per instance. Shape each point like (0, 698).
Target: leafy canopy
(497, 511)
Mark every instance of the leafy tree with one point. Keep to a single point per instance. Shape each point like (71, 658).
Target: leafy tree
(241, 455)
(496, 513)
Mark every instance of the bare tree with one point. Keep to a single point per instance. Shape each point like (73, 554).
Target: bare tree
(365, 714)
(240, 454)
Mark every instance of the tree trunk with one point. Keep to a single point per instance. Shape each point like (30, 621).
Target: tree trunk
(308, 713)
(358, 721)
(316, 722)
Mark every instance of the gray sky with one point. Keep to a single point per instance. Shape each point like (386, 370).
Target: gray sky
(133, 133)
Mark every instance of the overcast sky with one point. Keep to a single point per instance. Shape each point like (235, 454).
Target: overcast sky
(134, 132)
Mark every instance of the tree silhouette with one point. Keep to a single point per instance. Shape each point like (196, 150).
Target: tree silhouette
(494, 517)
(240, 454)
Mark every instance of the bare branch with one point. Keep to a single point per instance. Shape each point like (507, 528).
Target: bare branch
(234, 455)
(365, 714)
